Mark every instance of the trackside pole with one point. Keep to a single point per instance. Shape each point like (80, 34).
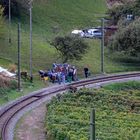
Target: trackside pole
(92, 124)
(31, 75)
(9, 21)
(19, 76)
(102, 46)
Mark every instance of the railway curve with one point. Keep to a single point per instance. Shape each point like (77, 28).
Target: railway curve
(10, 111)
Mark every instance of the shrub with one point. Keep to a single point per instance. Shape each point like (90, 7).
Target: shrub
(13, 84)
(12, 68)
(2, 23)
(6, 82)
(16, 7)
(127, 39)
(69, 119)
(121, 11)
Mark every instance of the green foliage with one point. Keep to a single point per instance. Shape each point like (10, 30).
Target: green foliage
(124, 86)
(13, 84)
(2, 24)
(121, 11)
(9, 94)
(127, 39)
(68, 118)
(70, 48)
(4, 93)
(6, 88)
(53, 18)
(49, 16)
(17, 7)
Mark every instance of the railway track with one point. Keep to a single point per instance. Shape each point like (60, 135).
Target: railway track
(9, 112)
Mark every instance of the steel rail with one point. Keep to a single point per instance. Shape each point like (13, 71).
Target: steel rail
(36, 96)
(4, 128)
(42, 94)
(104, 79)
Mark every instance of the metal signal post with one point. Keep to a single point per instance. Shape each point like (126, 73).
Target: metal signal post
(9, 21)
(19, 76)
(31, 75)
(92, 125)
(102, 46)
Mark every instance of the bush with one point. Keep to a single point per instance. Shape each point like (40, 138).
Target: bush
(12, 68)
(6, 82)
(2, 23)
(16, 7)
(121, 11)
(4, 93)
(127, 39)
(69, 119)
(13, 84)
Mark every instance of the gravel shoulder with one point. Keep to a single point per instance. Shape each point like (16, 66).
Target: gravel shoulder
(31, 125)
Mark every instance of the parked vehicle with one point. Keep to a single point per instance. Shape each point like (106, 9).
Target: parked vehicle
(78, 32)
(93, 33)
(88, 33)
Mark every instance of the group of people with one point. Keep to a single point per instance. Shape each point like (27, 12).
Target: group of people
(60, 73)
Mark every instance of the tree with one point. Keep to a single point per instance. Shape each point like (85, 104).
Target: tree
(70, 47)
(2, 24)
(121, 11)
(16, 6)
(127, 39)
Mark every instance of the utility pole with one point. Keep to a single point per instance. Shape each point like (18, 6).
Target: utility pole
(92, 124)
(102, 46)
(9, 21)
(31, 75)
(19, 76)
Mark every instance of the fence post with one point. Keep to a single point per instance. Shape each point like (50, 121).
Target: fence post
(92, 124)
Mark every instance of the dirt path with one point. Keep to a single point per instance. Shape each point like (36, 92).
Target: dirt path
(31, 125)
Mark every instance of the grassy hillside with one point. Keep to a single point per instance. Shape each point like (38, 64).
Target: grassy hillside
(52, 18)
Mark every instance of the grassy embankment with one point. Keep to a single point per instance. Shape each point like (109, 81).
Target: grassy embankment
(52, 18)
(68, 115)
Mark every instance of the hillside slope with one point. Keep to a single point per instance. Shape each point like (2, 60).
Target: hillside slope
(52, 18)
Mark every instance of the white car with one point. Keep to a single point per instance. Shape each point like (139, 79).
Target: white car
(91, 33)
(78, 32)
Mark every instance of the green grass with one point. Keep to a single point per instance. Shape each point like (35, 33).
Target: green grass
(26, 88)
(5, 62)
(68, 116)
(123, 86)
(52, 18)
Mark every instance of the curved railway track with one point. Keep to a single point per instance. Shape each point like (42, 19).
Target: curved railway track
(9, 112)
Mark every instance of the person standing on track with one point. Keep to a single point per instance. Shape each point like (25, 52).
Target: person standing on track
(86, 71)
